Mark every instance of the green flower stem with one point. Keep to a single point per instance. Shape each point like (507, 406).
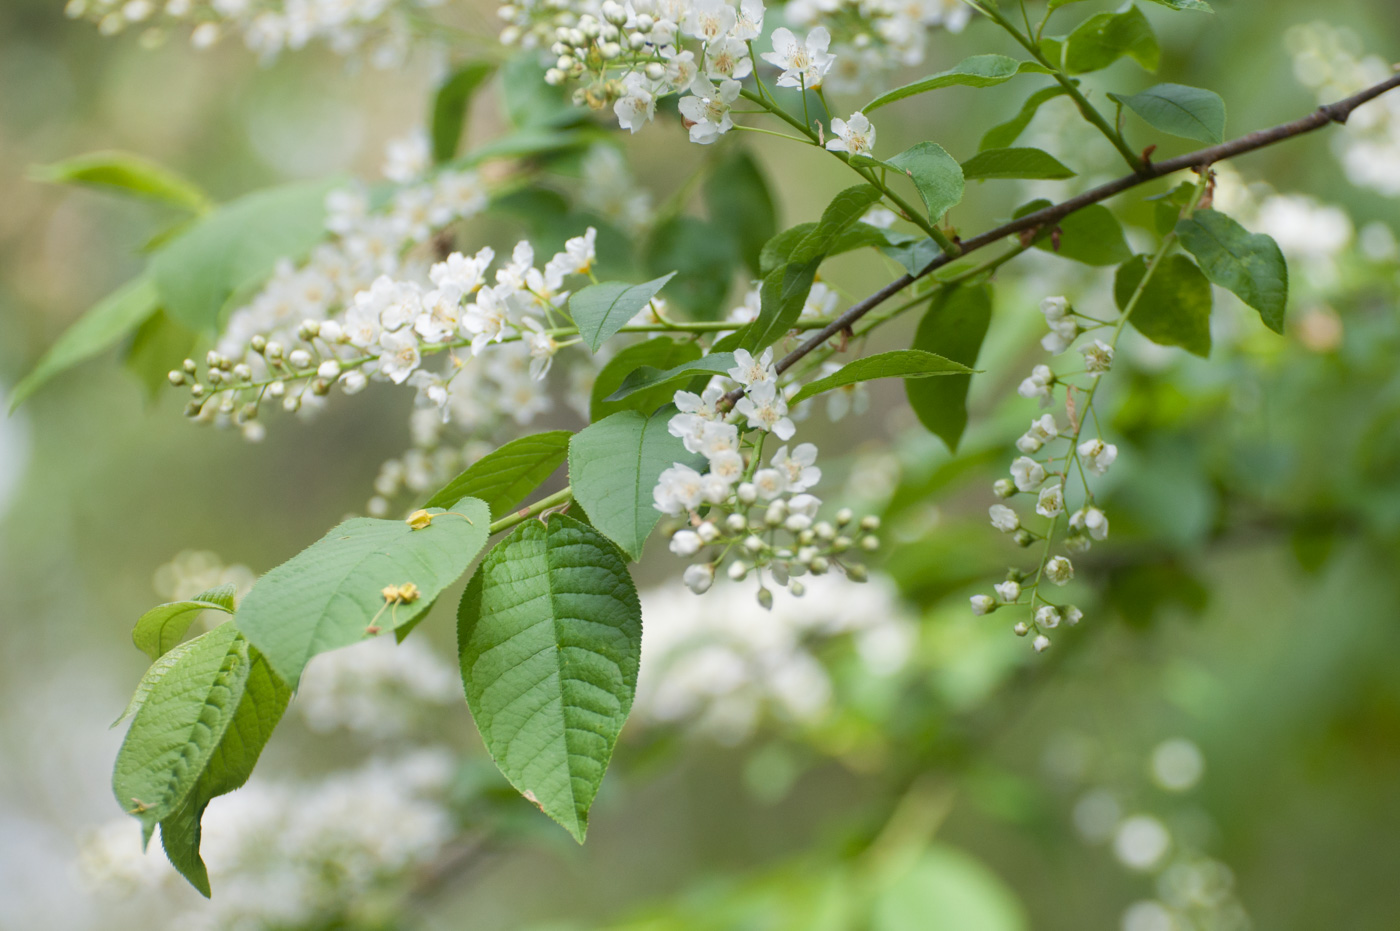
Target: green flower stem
(562, 496)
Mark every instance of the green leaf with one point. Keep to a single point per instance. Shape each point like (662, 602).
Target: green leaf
(737, 197)
(159, 346)
(1101, 40)
(522, 144)
(613, 468)
(1091, 235)
(116, 315)
(913, 252)
(1014, 163)
(936, 174)
(1004, 134)
(549, 637)
(600, 310)
(1056, 4)
(125, 173)
(779, 249)
(236, 247)
(659, 354)
(945, 888)
(503, 477)
(329, 594)
(1189, 112)
(179, 725)
(530, 102)
(783, 294)
(451, 104)
(977, 71)
(702, 255)
(1174, 309)
(163, 626)
(264, 700)
(1249, 264)
(839, 216)
(150, 677)
(1199, 5)
(901, 363)
(954, 327)
(647, 378)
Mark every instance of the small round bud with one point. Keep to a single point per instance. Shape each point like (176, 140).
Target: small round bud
(1021, 628)
(844, 517)
(1047, 616)
(1073, 615)
(805, 537)
(331, 331)
(775, 514)
(197, 390)
(824, 530)
(707, 531)
(765, 599)
(635, 40)
(320, 387)
(565, 63)
(870, 523)
(1004, 488)
(277, 389)
(1059, 570)
(797, 523)
(738, 570)
(610, 50)
(215, 376)
(299, 358)
(176, 377)
(243, 372)
(754, 544)
(655, 71)
(1008, 592)
(747, 493)
(699, 577)
(189, 366)
(645, 23)
(309, 329)
(258, 344)
(353, 382)
(212, 359)
(554, 77)
(329, 369)
(870, 543)
(820, 565)
(856, 573)
(1023, 538)
(841, 544)
(736, 523)
(291, 403)
(273, 349)
(1041, 643)
(983, 604)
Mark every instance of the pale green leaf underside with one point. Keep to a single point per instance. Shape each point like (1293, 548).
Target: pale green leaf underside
(901, 363)
(329, 594)
(977, 71)
(936, 174)
(1189, 112)
(600, 310)
(126, 173)
(1249, 264)
(163, 626)
(549, 638)
(716, 363)
(503, 477)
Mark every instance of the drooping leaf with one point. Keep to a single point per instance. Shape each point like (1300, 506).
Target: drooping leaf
(179, 725)
(1004, 134)
(1014, 163)
(1198, 5)
(613, 468)
(329, 594)
(1091, 235)
(1102, 39)
(157, 349)
(165, 625)
(600, 310)
(845, 209)
(661, 354)
(703, 256)
(236, 247)
(935, 173)
(126, 173)
(1174, 309)
(858, 235)
(737, 198)
(900, 363)
(783, 294)
(1189, 112)
(108, 321)
(977, 71)
(150, 677)
(549, 638)
(264, 700)
(503, 477)
(1249, 264)
(452, 104)
(647, 378)
(953, 327)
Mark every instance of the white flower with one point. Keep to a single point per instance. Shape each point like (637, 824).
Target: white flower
(1098, 357)
(804, 64)
(1073, 615)
(804, 506)
(728, 466)
(522, 261)
(749, 371)
(432, 391)
(856, 136)
(799, 467)
(442, 314)
(1051, 502)
(1027, 474)
(1062, 334)
(1042, 430)
(706, 112)
(486, 319)
(577, 258)
(1059, 570)
(686, 543)
(542, 348)
(1007, 592)
(769, 483)
(765, 409)
(749, 22)
(408, 158)
(1055, 309)
(1091, 520)
(636, 108)
(1097, 455)
(1048, 616)
(1038, 385)
(400, 355)
(1003, 518)
(716, 489)
(700, 405)
(727, 58)
(698, 578)
(1041, 643)
(983, 604)
(678, 489)
(708, 20)
(716, 438)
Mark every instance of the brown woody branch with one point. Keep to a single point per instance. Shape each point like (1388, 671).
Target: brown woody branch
(1050, 216)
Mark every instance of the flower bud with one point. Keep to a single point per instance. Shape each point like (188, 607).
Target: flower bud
(189, 366)
(824, 530)
(844, 517)
(1073, 615)
(353, 382)
(707, 531)
(747, 493)
(1041, 643)
(736, 523)
(754, 544)
(330, 331)
(856, 573)
(699, 577)
(983, 604)
(1004, 488)
(738, 570)
(299, 358)
(1021, 628)
(820, 565)
(686, 543)
(258, 344)
(1023, 538)
(1008, 592)
(870, 523)
(1047, 616)
(841, 544)
(277, 389)
(176, 377)
(765, 599)
(273, 350)
(797, 523)
(242, 372)
(1059, 570)
(775, 514)
(797, 589)
(329, 370)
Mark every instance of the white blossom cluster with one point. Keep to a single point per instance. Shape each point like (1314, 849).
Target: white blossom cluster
(1053, 456)
(377, 689)
(192, 572)
(762, 515)
(871, 38)
(720, 668)
(380, 28)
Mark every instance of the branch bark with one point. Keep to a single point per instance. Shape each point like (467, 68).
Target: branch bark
(1337, 112)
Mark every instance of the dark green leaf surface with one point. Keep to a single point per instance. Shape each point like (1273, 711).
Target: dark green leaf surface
(703, 256)
(600, 310)
(1198, 5)
(900, 363)
(782, 296)
(647, 378)
(452, 104)
(1189, 112)
(549, 638)
(1014, 163)
(1249, 264)
(935, 173)
(1174, 309)
(954, 327)
(661, 354)
(1103, 39)
(1003, 135)
(1091, 235)
(503, 477)
(737, 197)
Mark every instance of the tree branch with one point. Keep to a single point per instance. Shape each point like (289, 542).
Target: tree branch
(1337, 112)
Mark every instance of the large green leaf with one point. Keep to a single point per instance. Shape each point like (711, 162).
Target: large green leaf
(600, 310)
(738, 198)
(264, 699)
(977, 71)
(900, 363)
(236, 247)
(503, 477)
(331, 593)
(613, 468)
(1101, 40)
(658, 354)
(936, 174)
(646, 378)
(783, 294)
(179, 725)
(1249, 264)
(158, 348)
(1174, 309)
(549, 637)
(125, 173)
(1014, 163)
(1004, 134)
(845, 209)
(112, 318)
(1091, 235)
(1189, 112)
(163, 626)
(451, 104)
(779, 248)
(954, 327)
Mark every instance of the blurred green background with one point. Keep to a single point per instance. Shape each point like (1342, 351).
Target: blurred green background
(1249, 601)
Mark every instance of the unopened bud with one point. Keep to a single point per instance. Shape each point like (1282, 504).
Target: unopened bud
(856, 573)
(844, 517)
(177, 377)
(765, 599)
